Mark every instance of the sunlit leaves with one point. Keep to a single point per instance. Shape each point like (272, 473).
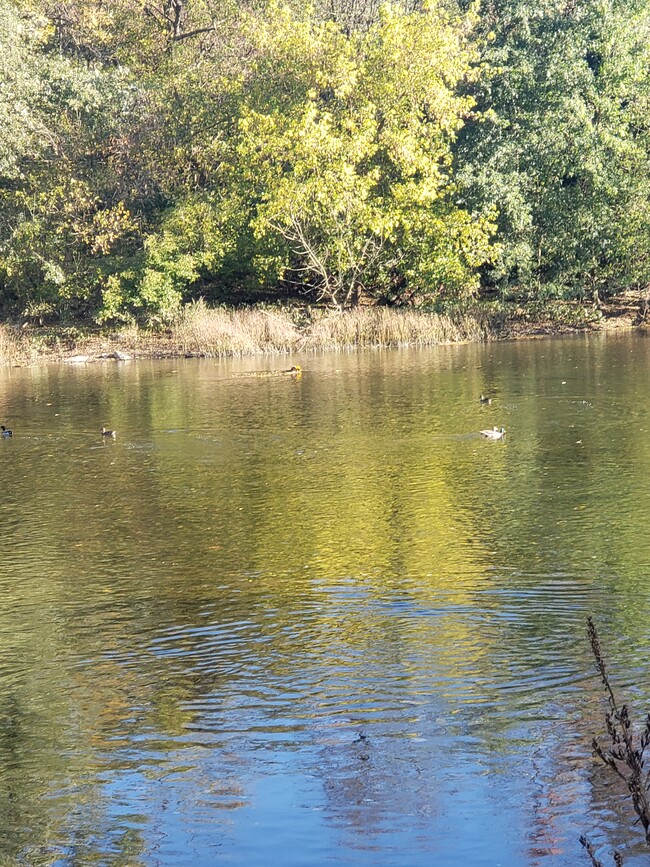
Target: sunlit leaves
(346, 140)
(22, 127)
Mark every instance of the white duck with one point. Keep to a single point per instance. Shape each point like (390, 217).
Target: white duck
(496, 433)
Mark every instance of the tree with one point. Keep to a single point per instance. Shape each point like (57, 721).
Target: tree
(562, 145)
(23, 129)
(344, 142)
(189, 149)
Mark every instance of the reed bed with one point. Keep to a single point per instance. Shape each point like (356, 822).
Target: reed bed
(221, 331)
(251, 331)
(382, 326)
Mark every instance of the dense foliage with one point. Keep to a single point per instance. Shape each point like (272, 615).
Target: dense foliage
(158, 151)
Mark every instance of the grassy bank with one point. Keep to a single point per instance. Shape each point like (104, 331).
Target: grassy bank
(201, 331)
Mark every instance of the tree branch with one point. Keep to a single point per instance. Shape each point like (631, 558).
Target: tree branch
(211, 29)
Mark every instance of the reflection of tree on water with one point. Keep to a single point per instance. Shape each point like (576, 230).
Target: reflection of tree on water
(18, 789)
(555, 763)
(51, 807)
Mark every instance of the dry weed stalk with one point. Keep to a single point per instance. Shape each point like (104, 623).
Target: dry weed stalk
(618, 858)
(624, 753)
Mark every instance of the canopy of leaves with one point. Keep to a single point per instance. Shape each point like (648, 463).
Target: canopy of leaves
(344, 147)
(562, 146)
(157, 151)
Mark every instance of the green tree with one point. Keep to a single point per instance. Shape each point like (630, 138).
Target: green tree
(23, 130)
(67, 219)
(562, 145)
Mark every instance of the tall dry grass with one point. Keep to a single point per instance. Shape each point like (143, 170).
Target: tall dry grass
(251, 331)
(12, 350)
(383, 326)
(221, 331)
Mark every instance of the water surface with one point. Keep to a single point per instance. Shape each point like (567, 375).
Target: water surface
(318, 619)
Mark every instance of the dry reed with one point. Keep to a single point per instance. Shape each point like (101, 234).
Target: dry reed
(215, 332)
(251, 331)
(381, 326)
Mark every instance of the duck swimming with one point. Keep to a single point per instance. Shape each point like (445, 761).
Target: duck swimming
(496, 433)
(5, 432)
(108, 433)
(484, 399)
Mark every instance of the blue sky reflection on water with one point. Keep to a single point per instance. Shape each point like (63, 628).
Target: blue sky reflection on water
(288, 819)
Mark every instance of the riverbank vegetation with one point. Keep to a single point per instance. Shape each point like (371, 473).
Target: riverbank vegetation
(424, 155)
(199, 330)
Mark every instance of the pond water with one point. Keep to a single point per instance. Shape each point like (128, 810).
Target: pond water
(308, 620)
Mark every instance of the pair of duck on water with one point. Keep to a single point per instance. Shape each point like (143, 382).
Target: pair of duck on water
(496, 433)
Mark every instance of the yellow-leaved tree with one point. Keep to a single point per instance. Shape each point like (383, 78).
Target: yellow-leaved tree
(344, 151)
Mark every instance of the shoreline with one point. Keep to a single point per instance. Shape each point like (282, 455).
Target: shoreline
(202, 332)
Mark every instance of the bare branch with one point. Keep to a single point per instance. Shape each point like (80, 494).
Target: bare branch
(211, 29)
(591, 852)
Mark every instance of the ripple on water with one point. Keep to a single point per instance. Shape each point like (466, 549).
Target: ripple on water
(321, 611)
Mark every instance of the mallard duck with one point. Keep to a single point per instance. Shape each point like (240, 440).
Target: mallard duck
(497, 433)
(5, 432)
(295, 369)
(108, 433)
(484, 399)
